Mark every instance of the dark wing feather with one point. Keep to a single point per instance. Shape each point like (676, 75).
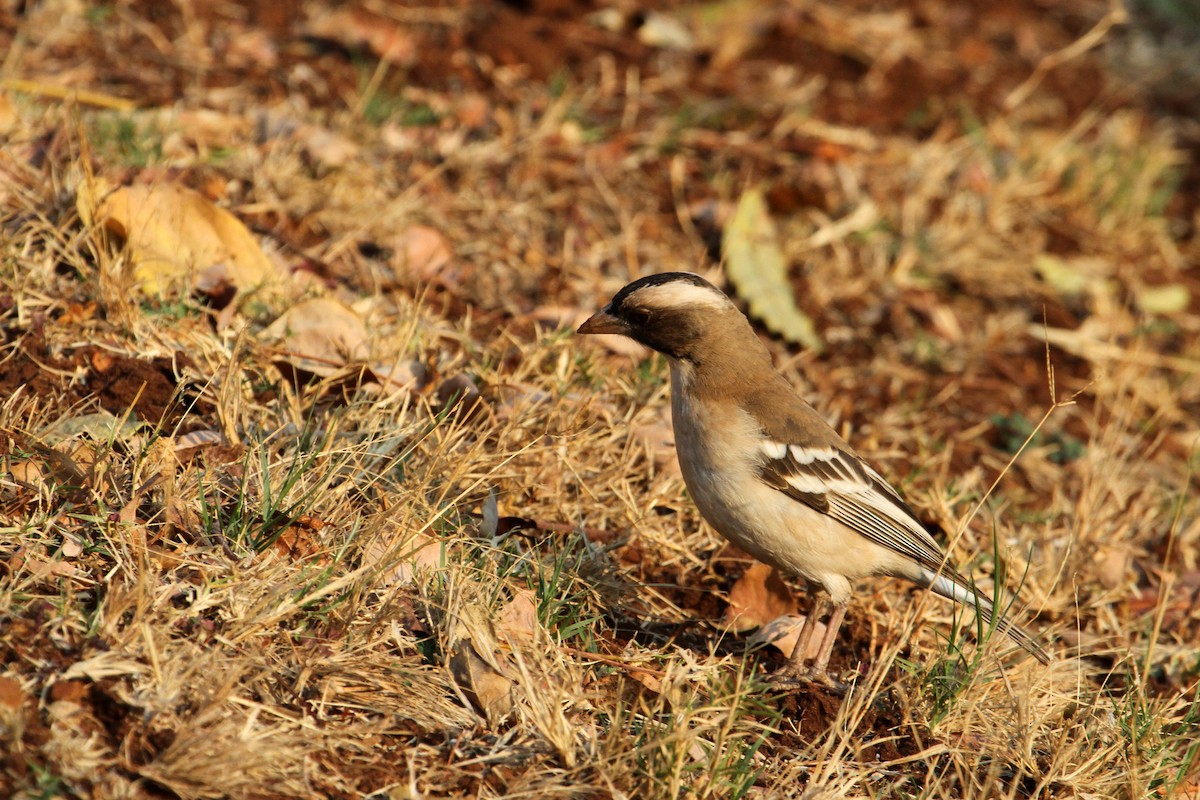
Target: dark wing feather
(838, 483)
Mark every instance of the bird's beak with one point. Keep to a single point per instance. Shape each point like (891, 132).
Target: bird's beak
(603, 322)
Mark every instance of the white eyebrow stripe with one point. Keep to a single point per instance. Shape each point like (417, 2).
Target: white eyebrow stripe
(679, 294)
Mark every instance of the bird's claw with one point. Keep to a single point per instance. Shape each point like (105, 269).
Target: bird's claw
(794, 676)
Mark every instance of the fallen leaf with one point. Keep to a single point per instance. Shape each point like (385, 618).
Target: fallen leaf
(11, 694)
(658, 437)
(1060, 275)
(102, 426)
(661, 30)
(519, 615)
(40, 567)
(400, 375)
(27, 472)
(172, 233)
(422, 251)
(488, 690)
(326, 147)
(355, 29)
(472, 110)
(1171, 298)
(1112, 565)
(783, 633)
(758, 597)
(458, 394)
(419, 552)
(731, 28)
(757, 269)
(298, 539)
(320, 336)
(77, 313)
(201, 438)
(646, 679)
(478, 666)
(8, 114)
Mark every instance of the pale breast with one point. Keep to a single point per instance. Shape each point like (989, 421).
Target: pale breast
(720, 469)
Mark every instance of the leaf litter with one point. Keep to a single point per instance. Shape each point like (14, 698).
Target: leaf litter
(386, 528)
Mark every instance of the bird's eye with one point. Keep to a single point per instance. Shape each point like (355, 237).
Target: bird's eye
(638, 316)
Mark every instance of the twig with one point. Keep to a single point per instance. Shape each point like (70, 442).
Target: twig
(1117, 15)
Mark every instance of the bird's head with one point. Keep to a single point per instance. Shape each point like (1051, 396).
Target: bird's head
(676, 313)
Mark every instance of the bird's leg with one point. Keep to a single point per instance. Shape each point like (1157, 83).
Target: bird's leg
(796, 664)
(797, 670)
(831, 631)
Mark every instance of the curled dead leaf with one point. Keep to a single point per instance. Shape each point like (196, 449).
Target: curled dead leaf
(783, 633)
(320, 336)
(519, 615)
(327, 148)
(298, 540)
(758, 597)
(490, 692)
(459, 395)
(172, 233)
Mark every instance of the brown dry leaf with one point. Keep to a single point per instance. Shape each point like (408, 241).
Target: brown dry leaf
(12, 698)
(40, 567)
(472, 110)
(298, 540)
(400, 375)
(519, 616)
(173, 233)
(209, 128)
(320, 336)
(489, 691)
(202, 438)
(423, 252)
(419, 552)
(783, 633)
(326, 147)
(355, 29)
(758, 269)
(1112, 564)
(647, 679)
(77, 313)
(758, 597)
(731, 28)
(1171, 298)
(459, 395)
(11, 695)
(102, 426)
(27, 472)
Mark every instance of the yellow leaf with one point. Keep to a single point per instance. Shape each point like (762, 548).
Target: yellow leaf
(1171, 298)
(173, 233)
(757, 269)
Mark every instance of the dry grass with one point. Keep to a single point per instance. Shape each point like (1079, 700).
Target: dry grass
(261, 588)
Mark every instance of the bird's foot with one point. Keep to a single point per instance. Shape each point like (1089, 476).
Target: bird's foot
(793, 676)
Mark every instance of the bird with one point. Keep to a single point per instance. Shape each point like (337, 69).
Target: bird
(768, 472)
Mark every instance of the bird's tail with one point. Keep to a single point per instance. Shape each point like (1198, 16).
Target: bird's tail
(983, 605)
